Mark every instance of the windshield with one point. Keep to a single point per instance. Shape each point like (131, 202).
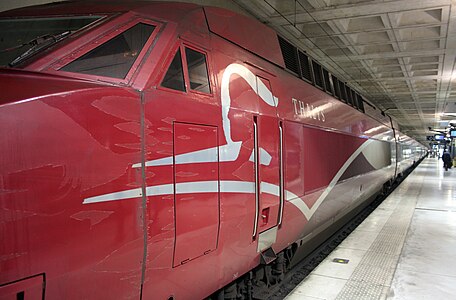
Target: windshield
(32, 35)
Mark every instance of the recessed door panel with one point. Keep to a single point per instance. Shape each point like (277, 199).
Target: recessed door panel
(268, 157)
(268, 144)
(196, 191)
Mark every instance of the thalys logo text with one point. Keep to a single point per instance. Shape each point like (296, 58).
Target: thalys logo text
(307, 110)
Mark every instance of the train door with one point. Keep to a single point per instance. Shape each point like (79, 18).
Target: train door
(181, 172)
(196, 203)
(267, 167)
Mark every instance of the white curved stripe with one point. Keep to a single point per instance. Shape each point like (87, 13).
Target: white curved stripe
(231, 186)
(299, 203)
(157, 190)
(335, 180)
(128, 194)
(231, 150)
(200, 156)
(228, 186)
(250, 78)
(212, 186)
(197, 187)
(270, 188)
(265, 94)
(227, 152)
(290, 196)
(302, 206)
(265, 157)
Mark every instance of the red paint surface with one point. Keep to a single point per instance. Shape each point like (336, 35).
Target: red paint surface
(197, 214)
(64, 139)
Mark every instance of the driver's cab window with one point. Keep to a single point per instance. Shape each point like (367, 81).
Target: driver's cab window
(188, 71)
(116, 57)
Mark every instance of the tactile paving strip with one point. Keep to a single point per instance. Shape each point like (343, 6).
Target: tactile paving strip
(372, 277)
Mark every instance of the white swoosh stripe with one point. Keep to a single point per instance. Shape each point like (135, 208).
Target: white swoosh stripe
(228, 152)
(270, 188)
(134, 193)
(200, 156)
(181, 188)
(308, 212)
(197, 187)
(158, 190)
(228, 186)
(265, 157)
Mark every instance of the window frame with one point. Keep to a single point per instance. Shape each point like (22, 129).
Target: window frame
(102, 39)
(181, 47)
(164, 71)
(36, 59)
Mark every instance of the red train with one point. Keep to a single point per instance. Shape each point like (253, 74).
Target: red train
(166, 150)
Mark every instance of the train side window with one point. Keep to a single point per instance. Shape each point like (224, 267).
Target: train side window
(115, 57)
(174, 78)
(197, 71)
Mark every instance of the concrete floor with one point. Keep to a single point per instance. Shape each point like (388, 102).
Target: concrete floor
(406, 249)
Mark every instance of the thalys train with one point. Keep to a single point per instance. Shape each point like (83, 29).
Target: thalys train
(173, 151)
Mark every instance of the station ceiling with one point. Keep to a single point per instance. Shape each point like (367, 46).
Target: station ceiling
(399, 54)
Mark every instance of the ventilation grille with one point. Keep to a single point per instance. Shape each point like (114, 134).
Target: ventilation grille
(360, 102)
(349, 95)
(343, 92)
(290, 55)
(336, 86)
(327, 81)
(305, 66)
(317, 74)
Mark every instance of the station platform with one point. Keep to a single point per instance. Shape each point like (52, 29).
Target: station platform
(406, 249)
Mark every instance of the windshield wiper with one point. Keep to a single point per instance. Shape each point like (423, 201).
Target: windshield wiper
(37, 44)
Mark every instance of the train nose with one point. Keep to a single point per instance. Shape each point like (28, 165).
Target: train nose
(20, 85)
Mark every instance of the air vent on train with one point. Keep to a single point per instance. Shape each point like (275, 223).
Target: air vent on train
(317, 74)
(306, 72)
(290, 55)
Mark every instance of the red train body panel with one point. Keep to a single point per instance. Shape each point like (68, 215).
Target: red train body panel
(164, 171)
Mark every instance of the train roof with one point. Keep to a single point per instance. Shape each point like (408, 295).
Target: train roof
(244, 31)
(99, 7)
